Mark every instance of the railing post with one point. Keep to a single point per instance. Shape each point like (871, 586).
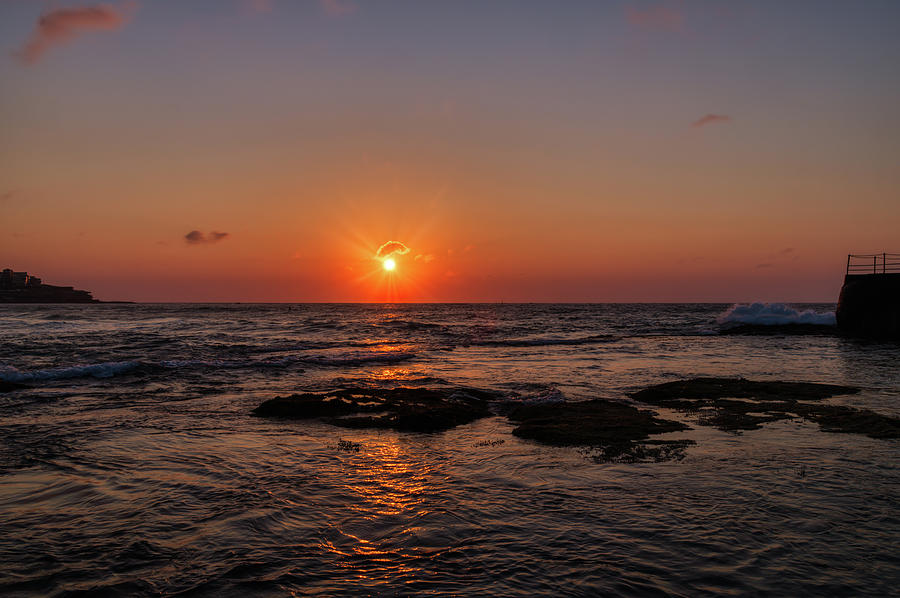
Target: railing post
(875, 264)
(848, 263)
(884, 263)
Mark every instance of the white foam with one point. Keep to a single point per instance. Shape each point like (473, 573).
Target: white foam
(94, 370)
(771, 314)
(550, 396)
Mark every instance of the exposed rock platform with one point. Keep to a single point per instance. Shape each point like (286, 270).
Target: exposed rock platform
(404, 409)
(735, 404)
(609, 430)
(614, 429)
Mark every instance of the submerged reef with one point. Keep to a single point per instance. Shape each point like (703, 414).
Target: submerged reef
(611, 428)
(403, 409)
(735, 404)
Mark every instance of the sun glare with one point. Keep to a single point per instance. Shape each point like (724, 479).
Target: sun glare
(389, 264)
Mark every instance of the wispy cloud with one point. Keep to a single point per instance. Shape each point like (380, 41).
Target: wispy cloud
(659, 17)
(424, 257)
(711, 119)
(258, 5)
(195, 237)
(62, 25)
(337, 8)
(391, 248)
(779, 257)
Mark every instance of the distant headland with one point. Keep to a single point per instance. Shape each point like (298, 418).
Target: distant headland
(19, 287)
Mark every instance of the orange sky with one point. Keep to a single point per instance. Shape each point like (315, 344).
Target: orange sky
(593, 156)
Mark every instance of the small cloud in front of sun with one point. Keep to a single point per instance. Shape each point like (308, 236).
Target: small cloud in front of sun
(391, 248)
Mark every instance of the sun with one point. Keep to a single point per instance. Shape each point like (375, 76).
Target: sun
(389, 264)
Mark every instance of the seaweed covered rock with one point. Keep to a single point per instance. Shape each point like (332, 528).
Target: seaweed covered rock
(617, 430)
(404, 409)
(735, 404)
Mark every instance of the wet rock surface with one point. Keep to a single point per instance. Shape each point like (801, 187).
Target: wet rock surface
(606, 430)
(735, 404)
(403, 409)
(614, 430)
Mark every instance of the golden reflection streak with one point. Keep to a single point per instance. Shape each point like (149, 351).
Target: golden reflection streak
(394, 483)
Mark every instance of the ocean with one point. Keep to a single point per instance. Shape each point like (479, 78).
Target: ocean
(130, 463)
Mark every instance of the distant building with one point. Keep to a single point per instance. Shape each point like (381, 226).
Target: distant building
(18, 287)
(14, 280)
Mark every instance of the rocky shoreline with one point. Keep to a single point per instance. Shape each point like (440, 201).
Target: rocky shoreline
(614, 430)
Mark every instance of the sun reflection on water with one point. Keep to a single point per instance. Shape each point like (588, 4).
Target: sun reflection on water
(391, 490)
(390, 485)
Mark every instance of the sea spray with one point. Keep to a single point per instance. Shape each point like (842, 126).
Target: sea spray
(774, 314)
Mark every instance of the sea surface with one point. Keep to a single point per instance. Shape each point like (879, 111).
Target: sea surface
(131, 465)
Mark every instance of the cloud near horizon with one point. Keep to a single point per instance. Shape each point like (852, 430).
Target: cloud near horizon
(59, 26)
(391, 248)
(195, 237)
(711, 119)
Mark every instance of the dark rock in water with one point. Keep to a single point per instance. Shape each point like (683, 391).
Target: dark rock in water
(673, 394)
(404, 409)
(839, 418)
(10, 386)
(616, 429)
(737, 404)
(782, 330)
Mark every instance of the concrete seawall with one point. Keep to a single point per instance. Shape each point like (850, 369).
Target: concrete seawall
(869, 306)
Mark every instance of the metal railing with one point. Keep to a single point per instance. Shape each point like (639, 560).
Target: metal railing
(873, 263)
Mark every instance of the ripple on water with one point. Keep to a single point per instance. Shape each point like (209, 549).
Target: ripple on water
(156, 480)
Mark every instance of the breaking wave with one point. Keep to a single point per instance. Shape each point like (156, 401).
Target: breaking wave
(117, 368)
(550, 396)
(94, 370)
(774, 314)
